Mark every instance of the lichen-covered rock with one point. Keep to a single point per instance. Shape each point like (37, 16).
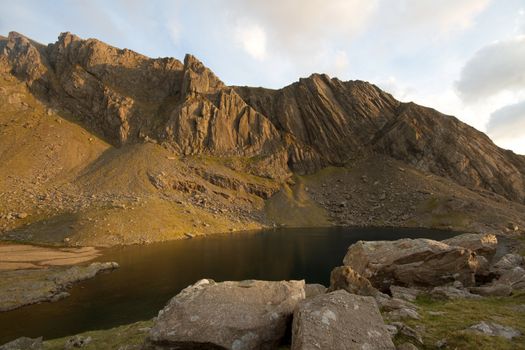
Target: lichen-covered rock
(339, 320)
(231, 315)
(411, 262)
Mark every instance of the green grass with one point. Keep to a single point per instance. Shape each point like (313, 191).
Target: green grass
(114, 338)
(463, 313)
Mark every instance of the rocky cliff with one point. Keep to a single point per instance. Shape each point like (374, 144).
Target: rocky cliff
(126, 100)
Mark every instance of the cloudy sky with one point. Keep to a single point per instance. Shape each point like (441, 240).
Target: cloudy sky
(462, 57)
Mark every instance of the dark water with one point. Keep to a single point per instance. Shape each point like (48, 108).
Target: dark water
(150, 275)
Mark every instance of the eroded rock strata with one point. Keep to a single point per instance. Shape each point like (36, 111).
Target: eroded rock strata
(112, 133)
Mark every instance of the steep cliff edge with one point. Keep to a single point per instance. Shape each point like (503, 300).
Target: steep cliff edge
(92, 134)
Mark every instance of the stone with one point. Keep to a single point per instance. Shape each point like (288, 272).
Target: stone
(77, 341)
(314, 289)
(233, 315)
(494, 290)
(403, 313)
(495, 329)
(450, 292)
(22, 215)
(441, 343)
(483, 244)
(409, 332)
(24, 343)
(409, 294)
(507, 262)
(339, 320)
(515, 278)
(407, 346)
(411, 262)
(344, 277)
(391, 304)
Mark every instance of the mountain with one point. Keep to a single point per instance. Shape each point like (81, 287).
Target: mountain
(102, 145)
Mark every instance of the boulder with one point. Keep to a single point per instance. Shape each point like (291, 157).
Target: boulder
(76, 342)
(346, 278)
(407, 346)
(515, 278)
(495, 329)
(483, 244)
(506, 263)
(409, 294)
(493, 290)
(409, 332)
(232, 315)
(451, 292)
(411, 262)
(314, 289)
(339, 320)
(23, 343)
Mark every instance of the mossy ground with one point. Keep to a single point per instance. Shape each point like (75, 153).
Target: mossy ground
(461, 314)
(110, 339)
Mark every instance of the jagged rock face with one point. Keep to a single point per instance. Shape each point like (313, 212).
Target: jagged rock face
(313, 123)
(445, 146)
(331, 120)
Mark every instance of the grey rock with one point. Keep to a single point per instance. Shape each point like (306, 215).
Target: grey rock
(399, 314)
(407, 346)
(515, 278)
(409, 294)
(314, 289)
(232, 315)
(493, 290)
(77, 341)
(507, 262)
(339, 320)
(408, 332)
(24, 343)
(450, 292)
(483, 244)
(495, 329)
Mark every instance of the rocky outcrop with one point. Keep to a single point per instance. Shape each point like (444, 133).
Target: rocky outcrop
(316, 122)
(231, 315)
(339, 320)
(411, 262)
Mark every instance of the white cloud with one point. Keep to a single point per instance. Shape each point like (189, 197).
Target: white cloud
(297, 27)
(252, 38)
(495, 68)
(507, 122)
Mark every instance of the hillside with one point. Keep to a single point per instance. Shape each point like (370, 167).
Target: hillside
(105, 146)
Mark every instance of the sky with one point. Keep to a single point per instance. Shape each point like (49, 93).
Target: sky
(462, 57)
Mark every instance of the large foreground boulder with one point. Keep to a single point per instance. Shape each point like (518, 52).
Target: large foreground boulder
(411, 262)
(228, 315)
(339, 320)
(484, 244)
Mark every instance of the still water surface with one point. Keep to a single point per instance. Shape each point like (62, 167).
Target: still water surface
(150, 275)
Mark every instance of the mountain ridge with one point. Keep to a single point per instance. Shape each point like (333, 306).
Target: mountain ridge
(125, 99)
